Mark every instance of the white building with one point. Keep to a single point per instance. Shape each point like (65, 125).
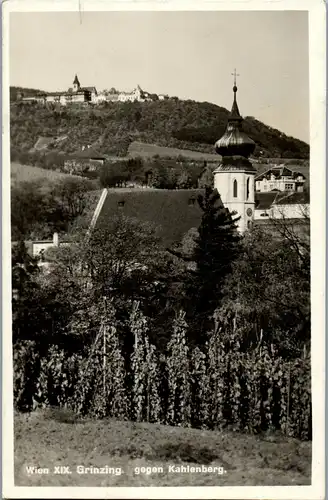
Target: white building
(138, 95)
(279, 178)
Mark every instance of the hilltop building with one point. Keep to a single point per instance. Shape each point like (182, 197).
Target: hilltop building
(139, 95)
(75, 94)
(79, 94)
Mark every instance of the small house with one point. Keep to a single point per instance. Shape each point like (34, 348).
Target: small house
(85, 160)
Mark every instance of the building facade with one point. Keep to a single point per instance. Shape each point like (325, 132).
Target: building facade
(75, 94)
(279, 178)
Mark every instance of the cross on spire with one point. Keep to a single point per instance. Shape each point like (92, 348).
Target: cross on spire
(235, 74)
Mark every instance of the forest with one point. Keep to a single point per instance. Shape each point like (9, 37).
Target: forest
(111, 127)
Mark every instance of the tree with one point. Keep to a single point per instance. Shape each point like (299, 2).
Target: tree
(267, 295)
(28, 207)
(114, 174)
(215, 248)
(206, 178)
(39, 312)
(71, 196)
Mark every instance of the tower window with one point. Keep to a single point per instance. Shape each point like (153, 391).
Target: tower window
(235, 189)
(247, 189)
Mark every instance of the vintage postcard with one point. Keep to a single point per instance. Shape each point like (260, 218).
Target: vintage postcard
(163, 229)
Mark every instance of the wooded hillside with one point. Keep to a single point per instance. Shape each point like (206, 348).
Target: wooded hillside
(112, 126)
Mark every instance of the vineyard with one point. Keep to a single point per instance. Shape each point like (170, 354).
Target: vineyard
(218, 387)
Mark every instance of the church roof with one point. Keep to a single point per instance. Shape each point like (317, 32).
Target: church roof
(173, 212)
(76, 80)
(234, 141)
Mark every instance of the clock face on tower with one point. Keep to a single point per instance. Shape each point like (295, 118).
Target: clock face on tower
(249, 212)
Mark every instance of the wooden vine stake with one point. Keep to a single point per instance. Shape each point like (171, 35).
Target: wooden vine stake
(288, 400)
(104, 357)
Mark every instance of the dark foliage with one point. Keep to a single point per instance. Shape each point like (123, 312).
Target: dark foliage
(112, 126)
(215, 248)
(38, 209)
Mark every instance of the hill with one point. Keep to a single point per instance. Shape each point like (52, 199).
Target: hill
(111, 127)
(248, 460)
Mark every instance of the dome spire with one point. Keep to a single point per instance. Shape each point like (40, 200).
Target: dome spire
(234, 141)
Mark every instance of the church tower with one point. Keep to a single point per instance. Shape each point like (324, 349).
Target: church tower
(234, 177)
(76, 84)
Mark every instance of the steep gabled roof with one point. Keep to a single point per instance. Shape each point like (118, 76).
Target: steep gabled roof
(169, 210)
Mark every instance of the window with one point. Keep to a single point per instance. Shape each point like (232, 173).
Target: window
(289, 187)
(247, 189)
(191, 201)
(121, 203)
(249, 224)
(235, 189)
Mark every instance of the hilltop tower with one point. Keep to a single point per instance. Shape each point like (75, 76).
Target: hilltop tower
(76, 84)
(234, 177)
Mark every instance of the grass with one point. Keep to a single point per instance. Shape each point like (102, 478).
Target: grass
(145, 150)
(22, 173)
(50, 438)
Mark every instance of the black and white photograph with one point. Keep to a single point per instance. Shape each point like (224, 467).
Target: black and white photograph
(163, 250)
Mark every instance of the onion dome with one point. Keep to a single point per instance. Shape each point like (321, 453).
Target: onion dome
(234, 141)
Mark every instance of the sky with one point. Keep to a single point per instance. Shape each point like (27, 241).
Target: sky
(186, 54)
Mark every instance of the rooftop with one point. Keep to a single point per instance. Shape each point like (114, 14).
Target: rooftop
(173, 212)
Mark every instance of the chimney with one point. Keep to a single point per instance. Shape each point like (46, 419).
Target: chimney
(55, 240)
